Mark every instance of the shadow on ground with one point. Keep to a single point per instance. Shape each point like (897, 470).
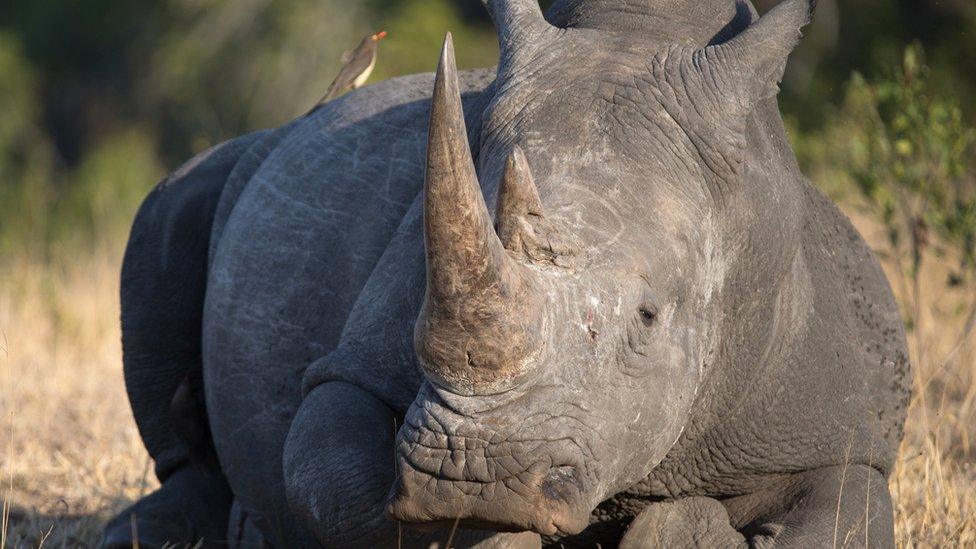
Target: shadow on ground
(27, 528)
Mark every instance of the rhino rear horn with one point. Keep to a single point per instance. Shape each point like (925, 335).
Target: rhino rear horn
(518, 198)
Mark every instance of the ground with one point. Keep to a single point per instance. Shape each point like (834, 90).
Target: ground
(71, 456)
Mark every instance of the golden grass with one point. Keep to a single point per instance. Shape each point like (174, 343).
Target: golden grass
(72, 456)
(934, 482)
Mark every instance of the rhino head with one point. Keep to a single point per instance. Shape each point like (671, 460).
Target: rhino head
(565, 338)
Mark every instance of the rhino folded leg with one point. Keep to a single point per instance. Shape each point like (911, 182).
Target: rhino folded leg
(339, 466)
(843, 506)
(191, 509)
(163, 287)
(830, 507)
(242, 531)
(164, 279)
(689, 522)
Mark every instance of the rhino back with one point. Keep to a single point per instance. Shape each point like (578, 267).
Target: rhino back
(297, 246)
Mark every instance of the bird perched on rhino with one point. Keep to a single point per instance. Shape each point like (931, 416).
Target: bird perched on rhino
(357, 66)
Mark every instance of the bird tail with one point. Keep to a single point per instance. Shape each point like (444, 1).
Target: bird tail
(330, 94)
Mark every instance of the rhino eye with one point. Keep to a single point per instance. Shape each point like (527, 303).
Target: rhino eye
(647, 314)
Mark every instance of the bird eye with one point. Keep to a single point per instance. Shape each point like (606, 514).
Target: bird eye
(647, 315)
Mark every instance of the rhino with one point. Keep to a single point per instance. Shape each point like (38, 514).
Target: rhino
(585, 298)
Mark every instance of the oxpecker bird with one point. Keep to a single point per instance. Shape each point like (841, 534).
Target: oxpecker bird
(358, 64)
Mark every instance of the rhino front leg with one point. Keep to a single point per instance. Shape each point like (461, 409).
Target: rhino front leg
(831, 507)
(689, 522)
(843, 506)
(339, 466)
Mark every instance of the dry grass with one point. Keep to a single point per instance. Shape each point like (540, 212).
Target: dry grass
(72, 456)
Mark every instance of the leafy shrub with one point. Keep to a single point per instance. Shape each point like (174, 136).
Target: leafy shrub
(911, 154)
(44, 204)
(906, 150)
(25, 154)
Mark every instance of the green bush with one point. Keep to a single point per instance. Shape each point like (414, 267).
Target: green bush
(44, 204)
(417, 29)
(906, 150)
(25, 154)
(911, 154)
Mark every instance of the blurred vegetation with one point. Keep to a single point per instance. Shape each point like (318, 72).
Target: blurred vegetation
(99, 98)
(910, 153)
(905, 151)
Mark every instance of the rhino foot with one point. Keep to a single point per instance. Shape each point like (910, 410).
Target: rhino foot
(190, 509)
(243, 531)
(689, 522)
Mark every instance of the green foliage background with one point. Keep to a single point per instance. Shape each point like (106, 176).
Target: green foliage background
(99, 98)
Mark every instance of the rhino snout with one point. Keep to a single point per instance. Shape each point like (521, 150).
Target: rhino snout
(491, 472)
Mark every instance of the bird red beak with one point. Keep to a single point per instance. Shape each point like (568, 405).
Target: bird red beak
(379, 36)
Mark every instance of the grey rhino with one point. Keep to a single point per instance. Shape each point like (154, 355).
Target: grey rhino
(664, 336)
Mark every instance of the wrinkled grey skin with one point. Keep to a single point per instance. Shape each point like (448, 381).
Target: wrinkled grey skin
(716, 356)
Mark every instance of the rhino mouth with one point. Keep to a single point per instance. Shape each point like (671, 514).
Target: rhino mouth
(487, 473)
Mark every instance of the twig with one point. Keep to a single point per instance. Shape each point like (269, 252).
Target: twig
(44, 537)
(840, 493)
(450, 538)
(135, 531)
(143, 483)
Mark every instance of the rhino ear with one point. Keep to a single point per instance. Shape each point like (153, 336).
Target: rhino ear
(751, 65)
(721, 84)
(522, 30)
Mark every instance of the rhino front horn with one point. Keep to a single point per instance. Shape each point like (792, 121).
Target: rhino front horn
(481, 323)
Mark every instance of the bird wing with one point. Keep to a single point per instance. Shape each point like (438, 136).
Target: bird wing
(354, 64)
(347, 75)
